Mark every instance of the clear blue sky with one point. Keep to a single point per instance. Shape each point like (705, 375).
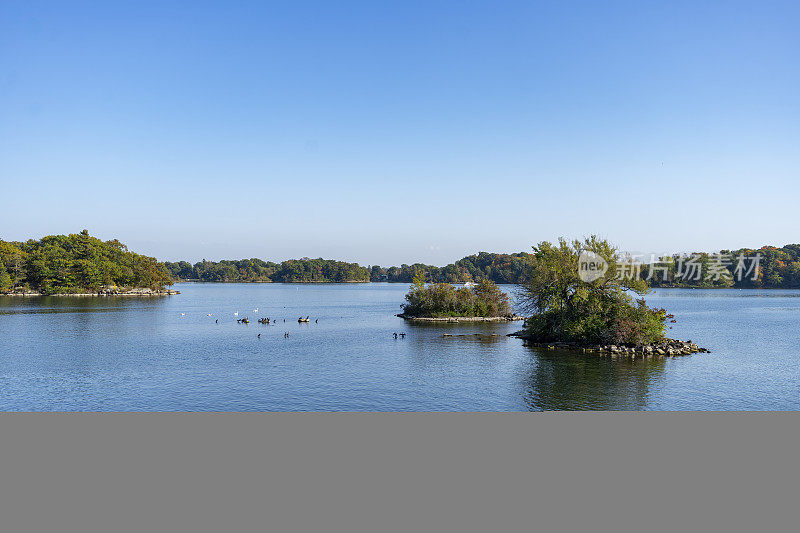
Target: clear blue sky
(410, 131)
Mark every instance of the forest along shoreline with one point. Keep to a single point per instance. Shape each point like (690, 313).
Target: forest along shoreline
(82, 264)
(780, 269)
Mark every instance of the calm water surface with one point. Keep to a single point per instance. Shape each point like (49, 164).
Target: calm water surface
(122, 354)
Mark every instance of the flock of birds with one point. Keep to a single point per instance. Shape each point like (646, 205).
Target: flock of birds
(270, 321)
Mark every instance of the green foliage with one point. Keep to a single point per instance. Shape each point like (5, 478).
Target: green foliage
(376, 273)
(638, 324)
(419, 280)
(320, 270)
(77, 263)
(255, 270)
(565, 308)
(500, 268)
(779, 268)
(5, 278)
(444, 300)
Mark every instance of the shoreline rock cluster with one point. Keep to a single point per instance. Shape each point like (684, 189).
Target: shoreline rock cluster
(666, 348)
(455, 319)
(105, 291)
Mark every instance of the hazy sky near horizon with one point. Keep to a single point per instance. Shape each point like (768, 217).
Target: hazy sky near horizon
(399, 132)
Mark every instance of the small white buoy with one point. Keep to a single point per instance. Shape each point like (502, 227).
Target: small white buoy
(255, 310)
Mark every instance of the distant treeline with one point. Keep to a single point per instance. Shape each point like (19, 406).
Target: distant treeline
(74, 263)
(500, 268)
(777, 268)
(60, 264)
(255, 270)
(767, 267)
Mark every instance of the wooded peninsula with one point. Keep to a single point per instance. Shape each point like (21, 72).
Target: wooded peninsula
(78, 264)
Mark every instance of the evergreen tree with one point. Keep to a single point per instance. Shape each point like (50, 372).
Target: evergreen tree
(5, 278)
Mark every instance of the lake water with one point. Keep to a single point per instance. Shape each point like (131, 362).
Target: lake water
(145, 354)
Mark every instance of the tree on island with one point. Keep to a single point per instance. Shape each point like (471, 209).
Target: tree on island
(564, 307)
(438, 300)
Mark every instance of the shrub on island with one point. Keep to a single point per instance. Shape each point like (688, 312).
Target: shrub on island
(440, 300)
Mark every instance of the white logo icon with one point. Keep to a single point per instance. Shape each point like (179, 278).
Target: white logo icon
(591, 266)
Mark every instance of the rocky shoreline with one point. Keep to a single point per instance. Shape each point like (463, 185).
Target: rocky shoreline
(115, 291)
(666, 348)
(455, 319)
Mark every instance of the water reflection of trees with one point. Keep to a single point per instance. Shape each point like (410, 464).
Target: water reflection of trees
(90, 318)
(572, 381)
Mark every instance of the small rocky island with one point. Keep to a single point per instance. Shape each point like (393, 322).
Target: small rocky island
(593, 310)
(442, 302)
